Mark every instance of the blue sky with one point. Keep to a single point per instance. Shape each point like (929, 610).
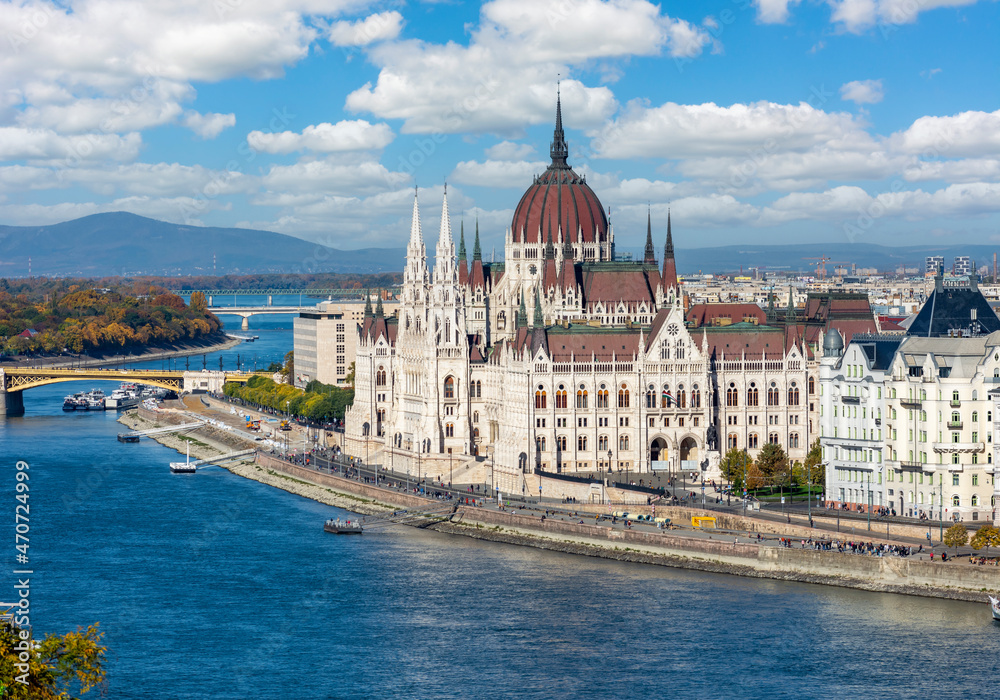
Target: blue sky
(775, 121)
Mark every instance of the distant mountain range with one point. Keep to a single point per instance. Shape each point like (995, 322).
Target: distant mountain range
(120, 243)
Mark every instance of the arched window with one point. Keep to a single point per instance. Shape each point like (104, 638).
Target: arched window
(955, 500)
(955, 417)
(380, 377)
(602, 398)
(732, 396)
(540, 442)
(561, 443)
(812, 385)
(665, 398)
(752, 396)
(695, 397)
(602, 443)
(772, 438)
(731, 441)
(651, 396)
(793, 440)
(561, 397)
(581, 398)
(975, 500)
(623, 401)
(449, 430)
(975, 416)
(752, 442)
(954, 395)
(679, 350)
(773, 398)
(623, 442)
(449, 387)
(581, 443)
(793, 395)
(475, 416)
(681, 398)
(540, 398)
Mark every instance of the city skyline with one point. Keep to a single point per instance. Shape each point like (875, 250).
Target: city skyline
(766, 121)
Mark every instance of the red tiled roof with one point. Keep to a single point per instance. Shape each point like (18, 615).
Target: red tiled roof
(706, 314)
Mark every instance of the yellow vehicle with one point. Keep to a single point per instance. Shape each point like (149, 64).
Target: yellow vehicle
(284, 426)
(702, 521)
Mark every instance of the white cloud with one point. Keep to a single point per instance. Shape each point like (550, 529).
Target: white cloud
(970, 133)
(858, 16)
(333, 178)
(496, 173)
(377, 27)
(508, 150)
(862, 91)
(773, 11)
(356, 135)
(20, 143)
(182, 210)
(503, 79)
(209, 125)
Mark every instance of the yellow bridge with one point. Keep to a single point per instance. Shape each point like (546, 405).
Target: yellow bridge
(17, 379)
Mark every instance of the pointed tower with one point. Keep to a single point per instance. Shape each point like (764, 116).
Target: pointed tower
(559, 150)
(444, 264)
(463, 268)
(415, 277)
(650, 254)
(522, 315)
(669, 266)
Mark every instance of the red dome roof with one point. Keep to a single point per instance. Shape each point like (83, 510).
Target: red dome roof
(559, 199)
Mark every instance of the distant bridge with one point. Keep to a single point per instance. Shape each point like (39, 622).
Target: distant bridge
(335, 293)
(15, 380)
(247, 311)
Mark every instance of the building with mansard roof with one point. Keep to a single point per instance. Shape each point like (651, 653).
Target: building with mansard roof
(564, 359)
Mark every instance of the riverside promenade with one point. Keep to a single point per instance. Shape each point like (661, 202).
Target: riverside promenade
(749, 547)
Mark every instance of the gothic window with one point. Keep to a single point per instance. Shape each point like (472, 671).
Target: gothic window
(623, 442)
(602, 443)
(752, 397)
(651, 397)
(695, 397)
(793, 440)
(581, 398)
(561, 397)
(665, 399)
(812, 385)
(679, 350)
(540, 398)
(773, 438)
(793, 395)
(773, 397)
(623, 397)
(540, 442)
(681, 398)
(449, 387)
(665, 351)
(732, 396)
(581, 443)
(475, 417)
(955, 500)
(602, 398)
(380, 377)
(449, 430)
(731, 441)
(752, 442)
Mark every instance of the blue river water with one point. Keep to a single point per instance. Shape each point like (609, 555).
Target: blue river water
(213, 586)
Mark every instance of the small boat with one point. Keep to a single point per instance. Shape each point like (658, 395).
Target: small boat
(995, 608)
(343, 527)
(184, 467)
(69, 403)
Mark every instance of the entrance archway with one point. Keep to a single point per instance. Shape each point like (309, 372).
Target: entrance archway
(658, 450)
(689, 449)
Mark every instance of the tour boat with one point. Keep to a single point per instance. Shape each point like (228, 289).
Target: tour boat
(995, 608)
(184, 467)
(339, 527)
(69, 403)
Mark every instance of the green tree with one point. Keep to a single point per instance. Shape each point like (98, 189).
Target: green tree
(58, 667)
(733, 466)
(956, 536)
(773, 464)
(349, 379)
(289, 369)
(986, 536)
(814, 467)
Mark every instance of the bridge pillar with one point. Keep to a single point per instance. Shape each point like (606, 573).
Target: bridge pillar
(269, 303)
(246, 323)
(11, 403)
(209, 299)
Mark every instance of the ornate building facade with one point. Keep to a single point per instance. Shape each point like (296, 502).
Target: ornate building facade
(564, 359)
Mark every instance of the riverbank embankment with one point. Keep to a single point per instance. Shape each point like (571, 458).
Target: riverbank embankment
(216, 342)
(718, 553)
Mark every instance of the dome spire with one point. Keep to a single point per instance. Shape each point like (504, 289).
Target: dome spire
(559, 150)
(650, 254)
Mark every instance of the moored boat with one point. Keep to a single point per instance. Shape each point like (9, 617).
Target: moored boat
(343, 527)
(184, 467)
(995, 607)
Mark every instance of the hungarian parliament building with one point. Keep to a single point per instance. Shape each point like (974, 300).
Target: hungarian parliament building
(564, 359)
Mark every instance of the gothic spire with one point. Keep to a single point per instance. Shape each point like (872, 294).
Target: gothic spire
(379, 311)
(368, 304)
(522, 314)
(445, 235)
(461, 242)
(477, 253)
(559, 150)
(416, 235)
(567, 247)
(550, 253)
(538, 321)
(668, 249)
(650, 255)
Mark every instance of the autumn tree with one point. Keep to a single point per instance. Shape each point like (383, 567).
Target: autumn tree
(733, 466)
(814, 467)
(58, 667)
(956, 536)
(198, 302)
(986, 536)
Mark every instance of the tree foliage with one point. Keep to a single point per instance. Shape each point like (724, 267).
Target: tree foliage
(956, 536)
(815, 470)
(772, 462)
(986, 536)
(733, 465)
(320, 402)
(62, 667)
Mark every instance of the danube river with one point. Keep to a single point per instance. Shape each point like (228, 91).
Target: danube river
(212, 586)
